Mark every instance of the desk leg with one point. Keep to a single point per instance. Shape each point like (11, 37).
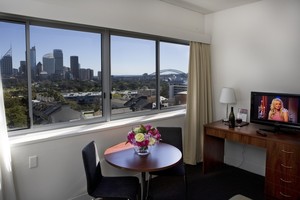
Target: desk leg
(213, 155)
(144, 186)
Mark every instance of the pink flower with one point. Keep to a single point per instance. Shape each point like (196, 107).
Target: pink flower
(150, 136)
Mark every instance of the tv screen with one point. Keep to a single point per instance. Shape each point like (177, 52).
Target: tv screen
(275, 109)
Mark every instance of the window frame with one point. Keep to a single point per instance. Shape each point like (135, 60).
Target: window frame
(106, 82)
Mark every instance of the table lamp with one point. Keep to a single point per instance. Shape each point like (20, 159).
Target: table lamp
(228, 97)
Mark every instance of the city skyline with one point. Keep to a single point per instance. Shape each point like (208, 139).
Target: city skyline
(46, 40)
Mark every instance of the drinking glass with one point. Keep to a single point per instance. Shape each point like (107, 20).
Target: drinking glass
(238, 119)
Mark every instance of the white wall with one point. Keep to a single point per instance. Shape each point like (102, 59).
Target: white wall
(60, 173)
(145, 16)
(254, 48)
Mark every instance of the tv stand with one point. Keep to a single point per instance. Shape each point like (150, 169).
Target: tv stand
(282, 179)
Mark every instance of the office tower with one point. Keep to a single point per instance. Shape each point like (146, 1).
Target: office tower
(49, 63)
(33, 60)
(59, 62)
(6, 63)
(83, 74)
(90, 74)
(74, 66)
(23, 68)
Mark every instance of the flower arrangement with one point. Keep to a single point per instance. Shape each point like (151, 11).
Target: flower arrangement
(143, 136)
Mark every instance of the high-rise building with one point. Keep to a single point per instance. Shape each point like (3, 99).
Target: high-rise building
(90, 73)
(33, 60)
(23, 68)
(59, 62)
(83, 74)
(74, 63)
(49, 63)
(6, 63)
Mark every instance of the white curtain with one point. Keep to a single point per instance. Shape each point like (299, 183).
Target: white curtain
(199, 101)
(7, 188)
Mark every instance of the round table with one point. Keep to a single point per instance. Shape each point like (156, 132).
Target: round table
(162, 156)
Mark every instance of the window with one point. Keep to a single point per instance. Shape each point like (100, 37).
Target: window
(132, 74)
(14, 74)
(60, 74)
(65, 75)
(174, 60)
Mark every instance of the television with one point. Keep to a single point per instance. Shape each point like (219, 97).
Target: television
(280, 111)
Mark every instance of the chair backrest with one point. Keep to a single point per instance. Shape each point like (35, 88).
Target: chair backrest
(92, 166)
(171, 135)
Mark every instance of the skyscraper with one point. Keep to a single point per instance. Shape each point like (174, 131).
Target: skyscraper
(6, 63)
(59, 62)
(49, 63)
(74, 66)
(33, 59)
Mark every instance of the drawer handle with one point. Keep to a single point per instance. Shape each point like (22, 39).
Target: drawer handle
(285, 151)
(285, 180)
(288, 167)
(285, 195)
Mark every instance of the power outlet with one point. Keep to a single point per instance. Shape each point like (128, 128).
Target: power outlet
(33, 162)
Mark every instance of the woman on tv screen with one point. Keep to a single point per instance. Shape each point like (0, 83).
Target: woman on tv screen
(277, 111)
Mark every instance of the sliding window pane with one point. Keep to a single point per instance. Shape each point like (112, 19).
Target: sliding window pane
(133, 74)
(14, 74)
(174, 60)
(66, 75)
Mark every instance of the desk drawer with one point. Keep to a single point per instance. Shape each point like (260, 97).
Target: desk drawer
(215, 132)
(245, 139)
(285, 152)
(284, 167)
(281, 193)
(282, 179)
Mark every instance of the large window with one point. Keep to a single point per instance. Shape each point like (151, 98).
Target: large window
(58, 74)
(14, 74)
(132, 74)
(173, 74)
(65, 75)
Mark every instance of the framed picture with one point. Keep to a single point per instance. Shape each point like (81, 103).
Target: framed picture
(242, 112)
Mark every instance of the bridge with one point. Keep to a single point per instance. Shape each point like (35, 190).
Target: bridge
(170, 70)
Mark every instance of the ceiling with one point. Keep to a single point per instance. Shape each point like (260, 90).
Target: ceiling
(208, 6)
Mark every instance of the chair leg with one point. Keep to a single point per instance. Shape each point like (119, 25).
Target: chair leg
(185, 188)
(148, 186)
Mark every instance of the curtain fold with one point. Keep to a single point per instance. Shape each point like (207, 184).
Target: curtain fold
(7, 188)
(199, 101)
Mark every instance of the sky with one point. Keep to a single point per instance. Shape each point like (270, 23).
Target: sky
(129, 56)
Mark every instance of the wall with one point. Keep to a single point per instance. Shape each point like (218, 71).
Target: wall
(60, 174)
(254, 48)
(152, 17)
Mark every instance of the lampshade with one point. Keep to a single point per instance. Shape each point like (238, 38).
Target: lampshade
(227, 96)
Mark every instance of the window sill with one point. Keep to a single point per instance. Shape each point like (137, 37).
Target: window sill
(86, 129)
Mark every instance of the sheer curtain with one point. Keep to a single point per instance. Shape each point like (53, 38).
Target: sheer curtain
(199, 101)
(7, 188)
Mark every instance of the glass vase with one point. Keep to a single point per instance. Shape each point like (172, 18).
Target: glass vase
(142, 151)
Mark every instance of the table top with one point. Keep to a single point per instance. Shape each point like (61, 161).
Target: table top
(162, 156)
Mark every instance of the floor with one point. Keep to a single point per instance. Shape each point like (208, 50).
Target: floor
(219, 185)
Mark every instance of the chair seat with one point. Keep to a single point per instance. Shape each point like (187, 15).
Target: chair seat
(119, 187)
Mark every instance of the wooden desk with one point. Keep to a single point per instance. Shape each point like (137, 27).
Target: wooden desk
(282, 179)
(162, 156)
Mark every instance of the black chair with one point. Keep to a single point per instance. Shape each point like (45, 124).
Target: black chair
(99, 186)
(172, 136)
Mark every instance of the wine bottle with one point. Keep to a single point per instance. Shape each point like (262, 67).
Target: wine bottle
(231, 119)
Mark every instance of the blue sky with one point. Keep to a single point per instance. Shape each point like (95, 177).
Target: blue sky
(128, 56)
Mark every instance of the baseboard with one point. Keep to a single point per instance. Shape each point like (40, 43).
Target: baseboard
(82, 197)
